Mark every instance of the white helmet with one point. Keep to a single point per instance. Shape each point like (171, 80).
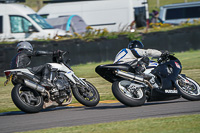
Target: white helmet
(24, 45)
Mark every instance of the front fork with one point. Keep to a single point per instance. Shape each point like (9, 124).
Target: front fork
(85, 89)
(80, 81)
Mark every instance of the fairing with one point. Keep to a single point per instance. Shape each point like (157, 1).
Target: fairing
(107, 71)
(61, 67)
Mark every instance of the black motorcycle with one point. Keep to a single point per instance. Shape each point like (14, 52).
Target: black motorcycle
(162, 80)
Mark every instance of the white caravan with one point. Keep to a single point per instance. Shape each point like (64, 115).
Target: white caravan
(19, 22)
(179, 13)
(114, 15)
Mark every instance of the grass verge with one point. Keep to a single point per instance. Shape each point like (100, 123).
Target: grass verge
(175, 124)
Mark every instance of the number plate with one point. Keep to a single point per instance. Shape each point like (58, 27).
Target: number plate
(8, 80)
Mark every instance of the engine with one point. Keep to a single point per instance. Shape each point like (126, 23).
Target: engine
(62, 91)
(62, 84)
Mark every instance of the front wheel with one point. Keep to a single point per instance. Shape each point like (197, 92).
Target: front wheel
(27, 100)
(189, 88)
(128, 94)
(86, 95)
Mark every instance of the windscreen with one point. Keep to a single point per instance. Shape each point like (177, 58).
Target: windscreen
(40, 21)
(19, 24)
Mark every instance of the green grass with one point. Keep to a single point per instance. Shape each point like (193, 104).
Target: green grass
(175, 124)
(190, 62)
(189, 59)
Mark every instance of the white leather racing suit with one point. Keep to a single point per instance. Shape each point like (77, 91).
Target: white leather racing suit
(132, 57)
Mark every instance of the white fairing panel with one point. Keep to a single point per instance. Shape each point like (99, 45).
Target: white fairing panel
(62, 67)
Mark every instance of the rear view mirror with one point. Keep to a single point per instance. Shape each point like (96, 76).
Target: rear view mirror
(32, 29)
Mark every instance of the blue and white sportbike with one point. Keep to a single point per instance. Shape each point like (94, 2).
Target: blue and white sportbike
(162, 81)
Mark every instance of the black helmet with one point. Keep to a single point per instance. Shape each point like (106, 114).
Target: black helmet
(135, 44)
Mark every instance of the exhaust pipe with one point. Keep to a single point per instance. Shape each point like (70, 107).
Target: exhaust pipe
(34, 86)
(131, 76)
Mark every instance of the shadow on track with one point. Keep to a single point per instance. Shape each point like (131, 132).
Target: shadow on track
(44, 110)
(120, 105)
(100, 106)
(165, 102)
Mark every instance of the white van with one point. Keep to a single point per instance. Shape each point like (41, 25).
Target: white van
(111, 14)
(178, 13)
(19, 22)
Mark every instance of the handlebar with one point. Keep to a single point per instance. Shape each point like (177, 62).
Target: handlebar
(164, 57)
(59, 57)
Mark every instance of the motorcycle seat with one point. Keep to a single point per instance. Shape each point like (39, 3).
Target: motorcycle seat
(124, 67)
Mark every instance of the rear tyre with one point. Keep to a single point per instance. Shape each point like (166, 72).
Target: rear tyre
(27, 100)
(128, 97)
(189, 88)
(88, 96)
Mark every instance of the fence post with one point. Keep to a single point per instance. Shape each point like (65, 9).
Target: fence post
(39, 5)
(158, 3)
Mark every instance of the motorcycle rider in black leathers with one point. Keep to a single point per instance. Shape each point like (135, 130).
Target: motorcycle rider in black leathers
(23, 58)
(136, 56)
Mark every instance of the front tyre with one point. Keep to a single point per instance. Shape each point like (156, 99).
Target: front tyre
(88, 96)
(27, 100)
(189, 88)
(123, 91)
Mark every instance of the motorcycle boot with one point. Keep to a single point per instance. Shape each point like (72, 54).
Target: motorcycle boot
(45, 79)
(139, 71)
(141, 67)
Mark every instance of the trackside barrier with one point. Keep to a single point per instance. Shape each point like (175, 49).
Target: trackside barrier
(81, 52)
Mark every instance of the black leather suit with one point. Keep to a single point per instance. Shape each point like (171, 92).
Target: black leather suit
(23, 58)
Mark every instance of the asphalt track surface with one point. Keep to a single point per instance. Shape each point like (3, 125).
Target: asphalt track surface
(103, 112)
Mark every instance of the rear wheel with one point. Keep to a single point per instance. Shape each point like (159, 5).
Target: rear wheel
(27, 100)
(189, 88)
(88, 96)
(128, 95)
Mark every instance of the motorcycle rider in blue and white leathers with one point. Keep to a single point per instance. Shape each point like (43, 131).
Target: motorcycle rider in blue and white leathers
(136, 56)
